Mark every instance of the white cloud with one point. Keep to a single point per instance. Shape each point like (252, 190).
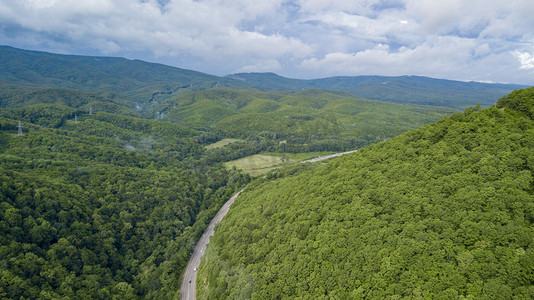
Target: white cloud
(361, 7)
(526, 59)
(460, 58)
(204, 28)
(271, 65)
(435, 16)
(298, 38)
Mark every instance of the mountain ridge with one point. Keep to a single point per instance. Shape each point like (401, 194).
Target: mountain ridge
(141, 83)
(405, 89)
(147, 83)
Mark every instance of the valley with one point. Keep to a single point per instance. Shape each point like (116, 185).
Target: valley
(113, 171)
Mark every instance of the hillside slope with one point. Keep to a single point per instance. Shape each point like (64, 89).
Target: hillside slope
(442, 212)
(403, 89)
(107, 207)
(311, 120)
(139, 83)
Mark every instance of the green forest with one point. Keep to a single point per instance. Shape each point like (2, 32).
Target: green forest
(306, 121)
(222, 107)
(403, 89)
(111, 169)
(108, 207)
(441, 212)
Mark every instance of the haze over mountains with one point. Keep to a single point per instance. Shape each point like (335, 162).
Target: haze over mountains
(134, 80)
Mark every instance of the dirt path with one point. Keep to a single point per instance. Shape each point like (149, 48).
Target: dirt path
(190, 273)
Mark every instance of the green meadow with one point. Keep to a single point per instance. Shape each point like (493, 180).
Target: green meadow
(222, 143)
(260, 164)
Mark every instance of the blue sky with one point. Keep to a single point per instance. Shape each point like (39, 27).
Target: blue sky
(479, 40)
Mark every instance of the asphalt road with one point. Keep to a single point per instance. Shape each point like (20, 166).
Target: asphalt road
(190, 273)
(327, 156)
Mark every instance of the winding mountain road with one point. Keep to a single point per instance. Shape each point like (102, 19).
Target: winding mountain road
(190, 273)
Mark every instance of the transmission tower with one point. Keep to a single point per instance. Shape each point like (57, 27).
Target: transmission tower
(20, 129)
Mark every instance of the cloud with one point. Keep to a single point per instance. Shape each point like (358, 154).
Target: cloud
(462, 58)
(271, 65)
(179, 27)
(297, 38)
(364, 8)
(475, 40)
(526, 59)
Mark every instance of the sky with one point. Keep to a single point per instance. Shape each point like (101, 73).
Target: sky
(468, 40)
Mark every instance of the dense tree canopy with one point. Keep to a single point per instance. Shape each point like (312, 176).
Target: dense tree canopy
(106, 207)
(305, 121)
(98, 203)
(442, 212)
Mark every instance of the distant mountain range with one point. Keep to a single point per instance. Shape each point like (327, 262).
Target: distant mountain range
(137, 82)
(141, 83)
(404, 89)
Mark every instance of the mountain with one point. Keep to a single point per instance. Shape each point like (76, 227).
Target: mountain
(139, 83)
(311, 120)
(441, 212)
(271, 81)
(404, 89)
(66, 86)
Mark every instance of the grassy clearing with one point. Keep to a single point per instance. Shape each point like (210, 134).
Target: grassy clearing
(259, 164)
(222, 143)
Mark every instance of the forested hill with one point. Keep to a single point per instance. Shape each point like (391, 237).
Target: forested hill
(404, 89)
(105, 207)
(139, 82)
(92, 72)
(442, 212)
(106, 185)
(311, 120)
(141, 85)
